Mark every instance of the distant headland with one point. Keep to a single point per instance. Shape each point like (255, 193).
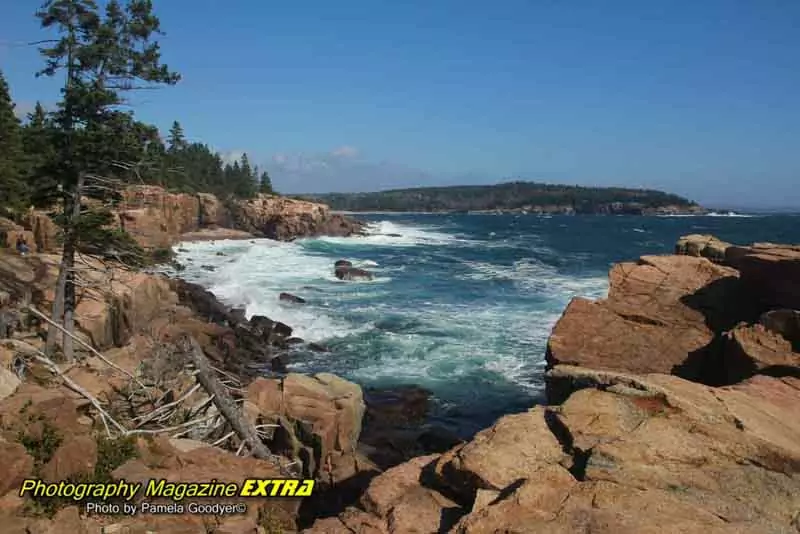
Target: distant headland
(514, 197)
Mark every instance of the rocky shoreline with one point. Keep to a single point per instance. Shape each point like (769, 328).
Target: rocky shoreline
(158, 219)
(671, 408)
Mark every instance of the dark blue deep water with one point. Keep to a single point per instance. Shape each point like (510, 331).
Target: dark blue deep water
(461, 304)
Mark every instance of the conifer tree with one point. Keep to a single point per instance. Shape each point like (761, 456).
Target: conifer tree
(177, 141)
(102, 55)
(245, 167)
(13, 189)
(38, 138)
(265, 184)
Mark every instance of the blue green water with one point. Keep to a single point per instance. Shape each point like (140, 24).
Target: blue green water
(461, 304)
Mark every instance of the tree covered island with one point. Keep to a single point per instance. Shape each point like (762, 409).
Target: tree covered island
(516, 197)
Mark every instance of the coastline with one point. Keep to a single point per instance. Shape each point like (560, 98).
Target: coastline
(466, 482)
(214, 234)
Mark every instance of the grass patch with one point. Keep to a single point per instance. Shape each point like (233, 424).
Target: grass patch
(111, 453)
(271, 522)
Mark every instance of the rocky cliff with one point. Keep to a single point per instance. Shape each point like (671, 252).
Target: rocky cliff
(158, 219)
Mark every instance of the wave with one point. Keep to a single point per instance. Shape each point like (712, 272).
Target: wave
(254, 275)
(532, 275)
(728, 214)
(399, 329)
(387, 233)
(709, 214)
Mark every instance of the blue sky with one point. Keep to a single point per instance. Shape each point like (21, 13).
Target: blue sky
(698, 98)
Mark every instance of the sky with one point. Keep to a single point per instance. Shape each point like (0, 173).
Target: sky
(696, 98)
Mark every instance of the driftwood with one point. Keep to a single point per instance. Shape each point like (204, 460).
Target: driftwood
(97, 353)
(71, 384)
(223, 401)
(227, 419)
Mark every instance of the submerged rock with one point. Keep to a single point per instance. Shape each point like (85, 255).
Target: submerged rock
(288, 297)
(352, 273)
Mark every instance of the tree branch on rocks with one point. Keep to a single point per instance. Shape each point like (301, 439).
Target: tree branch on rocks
(226, 405)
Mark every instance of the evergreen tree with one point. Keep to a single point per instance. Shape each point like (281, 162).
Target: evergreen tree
(38, 137)
(245, 166)
(13, 189)
(265, 184)
(177, 141)
(102, 55)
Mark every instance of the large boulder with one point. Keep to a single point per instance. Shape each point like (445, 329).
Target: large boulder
(753, 349)
(770, 272)
(45, 232)
(702, 245)
(285, 219)
(624, 453)
(126, 306)
(396, 502)
(500, 455)
(661, 316)
(320, 416)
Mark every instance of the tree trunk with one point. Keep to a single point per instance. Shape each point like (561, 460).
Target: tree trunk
(70, 247)
(224, 403)
(58, 310)
(68, 267)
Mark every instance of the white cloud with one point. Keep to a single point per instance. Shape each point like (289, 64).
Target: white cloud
(232, 156)
(345, 151)
(22, 108)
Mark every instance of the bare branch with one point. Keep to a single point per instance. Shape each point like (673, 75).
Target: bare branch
(82, 342)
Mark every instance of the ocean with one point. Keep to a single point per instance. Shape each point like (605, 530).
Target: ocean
(461, 304)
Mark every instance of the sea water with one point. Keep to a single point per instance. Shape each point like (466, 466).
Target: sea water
(460, 304)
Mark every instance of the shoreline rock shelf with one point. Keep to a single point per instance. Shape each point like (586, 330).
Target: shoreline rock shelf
(671, 407)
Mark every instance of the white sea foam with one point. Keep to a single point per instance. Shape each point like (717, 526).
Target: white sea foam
(387, 233)
(728, 214)
(253, 275)
(531, 274)
(438, 342)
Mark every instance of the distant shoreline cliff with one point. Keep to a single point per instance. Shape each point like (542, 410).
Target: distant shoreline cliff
(514, 197)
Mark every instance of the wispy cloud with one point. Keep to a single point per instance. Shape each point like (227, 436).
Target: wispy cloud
(23, 107)
(232, 156)
(345, 151)
(344, 169)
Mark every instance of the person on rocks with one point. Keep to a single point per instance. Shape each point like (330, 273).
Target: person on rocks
(22, 246)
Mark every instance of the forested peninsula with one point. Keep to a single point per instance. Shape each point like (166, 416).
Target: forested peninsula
(518, 196)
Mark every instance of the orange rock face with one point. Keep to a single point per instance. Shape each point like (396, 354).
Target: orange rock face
(770, 272)
(660, 317)
(654, 453)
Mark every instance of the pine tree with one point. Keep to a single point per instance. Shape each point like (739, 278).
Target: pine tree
(102, 55)
(176, 141)
(13, 190)
(245, 166)
(265, 184)
(38, 138)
